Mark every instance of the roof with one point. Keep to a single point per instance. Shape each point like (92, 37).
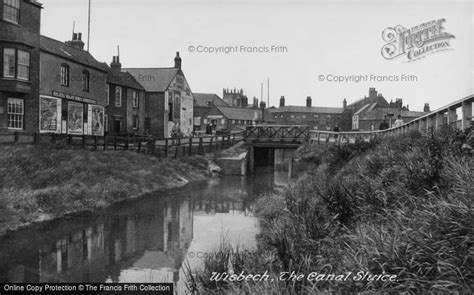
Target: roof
(201, 100)
(116, 76)
(239, 113)
(366, 108)
(154, 79)
(63, 50)
(313, 110)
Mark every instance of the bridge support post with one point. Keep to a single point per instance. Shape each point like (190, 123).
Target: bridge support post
(439, 119)
(291, 168)
(466, 115)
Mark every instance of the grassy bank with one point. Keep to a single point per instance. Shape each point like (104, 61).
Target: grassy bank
(44, 182)
(399, 206)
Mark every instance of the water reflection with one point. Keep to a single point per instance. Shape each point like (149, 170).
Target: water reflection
(141, 241)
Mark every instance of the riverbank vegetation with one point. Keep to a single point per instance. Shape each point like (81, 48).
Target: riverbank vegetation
(43, 182)
(397, 206)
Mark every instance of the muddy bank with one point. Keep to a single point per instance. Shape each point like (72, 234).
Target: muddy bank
(40, 183)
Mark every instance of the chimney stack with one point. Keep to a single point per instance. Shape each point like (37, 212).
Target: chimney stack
(115, 64)
(372, 93)
(76, 41)
(282, 102)
(309, 102)
(426, 109)
(177, 61)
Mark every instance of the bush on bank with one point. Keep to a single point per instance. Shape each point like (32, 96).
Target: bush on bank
(401, 206)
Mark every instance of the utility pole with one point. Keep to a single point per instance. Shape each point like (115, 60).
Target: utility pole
(89, 28)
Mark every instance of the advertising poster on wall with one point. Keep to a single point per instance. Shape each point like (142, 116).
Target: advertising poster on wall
(50, 114)
(96, 120)
(75, 118)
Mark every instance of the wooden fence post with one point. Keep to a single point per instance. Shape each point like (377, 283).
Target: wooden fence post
(233, 140)
(95, 142)
(166, 147)
(200, 147)
(105, 142)
(210, 144)
(126, 142)
(115, 142)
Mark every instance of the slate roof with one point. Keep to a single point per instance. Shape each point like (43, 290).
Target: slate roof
(201, 99)
(240, 113)
(312, 110)
(115, 76)
(154, 79)
(71, 53)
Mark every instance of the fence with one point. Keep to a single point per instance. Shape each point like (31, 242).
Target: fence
(446, 116)
(163, 147)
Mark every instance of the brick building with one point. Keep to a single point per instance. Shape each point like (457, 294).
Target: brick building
(19, 83)
(235, 98)
(370, 111)
(318, 118)
(203, 103)
(125, 110)
(72, 88)
(168, 98)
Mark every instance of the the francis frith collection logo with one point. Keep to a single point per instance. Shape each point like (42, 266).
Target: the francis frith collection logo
(416, 42)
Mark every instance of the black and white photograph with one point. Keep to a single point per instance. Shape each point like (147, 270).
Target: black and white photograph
(236, 147)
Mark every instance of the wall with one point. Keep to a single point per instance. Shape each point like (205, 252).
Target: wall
(183, 107)
(155, 111)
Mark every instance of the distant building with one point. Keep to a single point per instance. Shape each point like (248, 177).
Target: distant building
(235, 98)
(203, 103)
(370, 111)
(318, 118)
(232, 118)
(72, 88)
(125, 110)
(20, 54)
(169, 99)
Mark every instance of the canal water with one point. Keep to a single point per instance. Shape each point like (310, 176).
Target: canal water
(145, 240)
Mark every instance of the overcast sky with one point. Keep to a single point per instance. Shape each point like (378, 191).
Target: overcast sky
(340, 38)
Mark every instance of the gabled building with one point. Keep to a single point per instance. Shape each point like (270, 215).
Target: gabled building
(225, 117)
(203, 103)
(318, 118)
(72, 88)
(369, 112)
(20, 22)
(125, 107)
(168, 98)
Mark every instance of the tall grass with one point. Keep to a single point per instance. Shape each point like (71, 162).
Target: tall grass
(47, 179)
(401, 206)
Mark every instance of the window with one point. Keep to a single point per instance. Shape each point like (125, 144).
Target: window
(9, 61)
(64, 75)
(135, 98)
(85, 81)
(223, 121)
(11, 10)
(205, 121)
(15, 113)
(135, 122)
(233, 122)
(210, 103)
(118, 96)
(170, 111)
(23, 65)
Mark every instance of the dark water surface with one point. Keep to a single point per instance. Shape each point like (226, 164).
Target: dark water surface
(146, 240)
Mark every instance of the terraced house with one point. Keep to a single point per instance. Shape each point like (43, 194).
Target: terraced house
(20, 54)
(125, 110)
(72, 88)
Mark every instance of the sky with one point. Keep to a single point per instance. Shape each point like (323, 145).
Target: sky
(309, 43)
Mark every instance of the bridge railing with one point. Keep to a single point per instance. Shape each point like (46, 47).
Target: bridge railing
(278, 132)
(445, 116)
